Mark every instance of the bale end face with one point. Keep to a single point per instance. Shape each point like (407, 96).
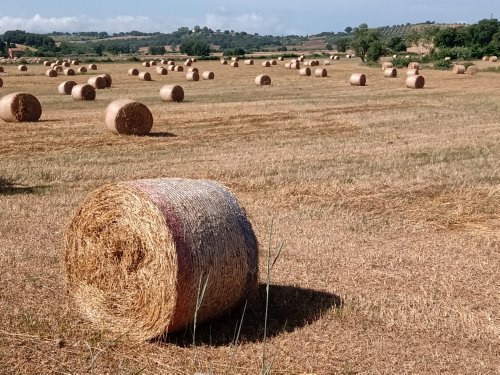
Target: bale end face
(193, 76)
(207, 75)
(172, 93)
(415, 82)
(263, 80)
(129, 117)
(83, 92)
(66, 87)
(133, 72)
(20, 107)
(320, 72)
(145, 76)
(459, 69)
(357, 79)
(390, 73)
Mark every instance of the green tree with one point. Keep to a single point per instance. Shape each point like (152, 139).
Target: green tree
(342, 44)
(156, 50)
(195, 47)
(397, 44)
(3, 48)
(363, 39)
(348, 29)
(328, 46)
(375, 51)
(99, 49)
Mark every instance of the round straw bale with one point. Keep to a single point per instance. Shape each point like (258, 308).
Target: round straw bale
(75, 62)
(171, 67)
(386, 65)
(20, 107)
(161, 71)
(281, 58)
(66, 64)
(193, 76)
(178, 68)
(92, 67)
(145, 76)
(194, 59)
(59, 62)
(314, 63)
(288, 65)
(46, 63)
(82, 70)
(207, 75)
(295, 64)
(170, 62)
(493, 59)
(163, 62)
(146, 64)
(391, 73)
(97, 82)
(326, 62)
(193, 70)
(69, 72)
(235, 64)
(486, 58)
(305, 72)
(411, 72)
(266, 64)
(172, 93)
(273, 62)
(472, 70)
(187, 63)
(83, 92)
(66, 87)
(263, 80)
(1, 82)
(223, 61)
(301, 58)
(458, 69)
(235, 58)
(58, 68)
(133, 72)
(127, 116)
(320, 72)
(53, 65)
(22, 68)
(152, 63)
(107, 79)
(51, 73)
(1, 69)
(357, 79)
(415, 82)
(414, 65)
(137, 254)
(336, 57)
(249, 62)
(347, 56)
(447, 58)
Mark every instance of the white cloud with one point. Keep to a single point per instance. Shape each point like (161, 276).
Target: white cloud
(251, 23)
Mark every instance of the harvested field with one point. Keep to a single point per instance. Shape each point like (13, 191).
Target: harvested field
(387, 201)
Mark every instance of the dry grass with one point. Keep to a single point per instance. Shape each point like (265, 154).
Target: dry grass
(388, 199)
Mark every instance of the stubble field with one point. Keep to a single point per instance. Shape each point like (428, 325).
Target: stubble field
(387, 201)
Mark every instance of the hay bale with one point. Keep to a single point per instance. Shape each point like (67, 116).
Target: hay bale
(58, 68)
(207, 75)
(320, 72)
(92, 67)
(171, 67)
(326, 62)
(235, 58)
(263, 80)
(172, 93)
(127, 116)
(249, 62)
(137, 254)
(223, 61)
(82, 70)
(59, 62)
(273, 62)
(178, 68)
(281, 58)
(161, 71)
(69, 72)
(493, 59)
(447, 58)
(472, 70)
(235, 64)
(146, 64)
(194, 59)
(305, 72)
(193, 70)
(66, 87)
(107, 79)
(357, 79)
(133, 72)
(336, 57)
(458, 69)
(75, 62)
(288, 65)
(46, 63)
(1, 82)
(295, 65)
(413, 65)
(193, 76)
(20, 107)
(1, 69)
(314, 63)
(415, 82)
(66, 64)
(266, 64)
(391, 73)
(486, 58)
(170, 62)
(152, 63)
(347, 56)
(187, 63)
(145, 76)
(53, 65)
(51, 73)
(163, 62)
(22, 68)
(301, 58)
(411, 72)
(97, 82)
(386, 65)
(83, 92)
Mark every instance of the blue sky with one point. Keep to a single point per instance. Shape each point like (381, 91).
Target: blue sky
(274, 17)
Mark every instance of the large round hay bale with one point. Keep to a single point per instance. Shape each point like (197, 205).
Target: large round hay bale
(411, 72)
(281, 58)
(235, 58)
(207, 75)
(163, 62)
(493, 59)
(193, 69)
(193, 76)
(139, 254)
(178, 68)
(336, 57)
(223, 61)
(53, 65)
(145, 76)
(414, 65)
(263, 80)
(171, 67)
(235, 64)
(266, 64)
(249, 62)
(1, 69)
(320, 72)
(458, 69)
(22, 68)
(51, 73)
(357, 79)
(305, 72)
(59, 62)
(327, 62)
(391, 73)
(1, 82)
(152, 63)
(75, 62)
(295, 64)
(97, 82)
(347, 56)
(288, 65)
(415, 82)
(170, 62)
(187, 63)
(161, 71)
(127, 116)
(386, 65)
(472, 70)
(486, 58)
(46, 63)
(107, 79)
(314, 63)
(92, 67)
(69, 72)
(133, 72)
(20, 107)
(273, 62)
(66, 87)
(58, 68)
(66, 64)
(172, 93)
(83, 92)
(194, 59)
(146, 64)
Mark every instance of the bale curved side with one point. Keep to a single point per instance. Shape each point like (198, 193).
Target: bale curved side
(20, 107)
(145, 76)
(172, 93)
(472, 70)
(97, 82)
(133, 72)
(415, 82)
(207, 75)
(305, 72)
(391, 73)
(357, 79)
(193, 76)
(459, 69)
(127, 116)
(83, 92)
(51, 73)
(263, 80)
(66, 87)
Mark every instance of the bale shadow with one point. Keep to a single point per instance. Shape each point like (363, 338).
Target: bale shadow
(161, 135)
(9, 188)
(289, 308)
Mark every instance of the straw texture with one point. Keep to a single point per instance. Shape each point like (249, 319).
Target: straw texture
(263, 80)
(193, 76)
(145, 76)
(207, 75)
(66, 87)
(20, 107)
(133, 72)
(136, 253)
(320, 72)
(127, 116)
(357, 79)
(391, 73)
(458, 69)
(172, 93)
(83, 92)
(97, 82)
(415, 82)
(51, 73)
(472, 70)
